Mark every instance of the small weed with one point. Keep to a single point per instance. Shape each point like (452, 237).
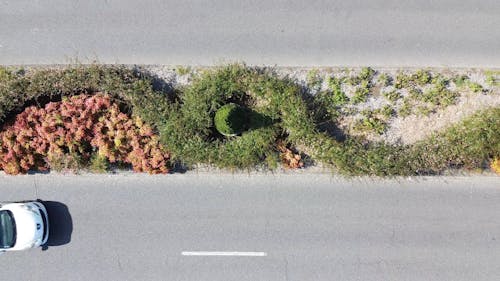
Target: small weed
(374, 120)
(415, 93)
(314, 80)
(492, 78)
(392, 96)
(402, 81)
(361, 93)
(366, 73)
(353, 80)
(439, 95)
(424, 110)
(475, 87)
(406, 108)
(422, 77)
(329, 103)
(492, 81)
(460, 80)
(385, 80)
(371, 124)
(440, 81)
(183, 70)
(338, 96)
(386, 111)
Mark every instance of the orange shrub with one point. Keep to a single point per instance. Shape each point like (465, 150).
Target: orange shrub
(79, 127)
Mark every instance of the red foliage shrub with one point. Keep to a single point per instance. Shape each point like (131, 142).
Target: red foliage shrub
(79, 126)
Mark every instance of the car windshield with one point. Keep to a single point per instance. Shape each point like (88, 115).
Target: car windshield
(7, 229)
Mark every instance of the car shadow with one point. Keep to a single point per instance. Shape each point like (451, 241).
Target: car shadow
(60, 224)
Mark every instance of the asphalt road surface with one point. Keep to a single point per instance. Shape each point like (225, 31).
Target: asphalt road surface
(283, 32)
(260, 227)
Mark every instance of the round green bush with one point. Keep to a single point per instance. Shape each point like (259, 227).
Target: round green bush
(230, 119)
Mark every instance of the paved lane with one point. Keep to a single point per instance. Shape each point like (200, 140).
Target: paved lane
(283, 32)
(310, 227)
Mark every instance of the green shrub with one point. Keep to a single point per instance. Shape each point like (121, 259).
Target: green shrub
(230, 119)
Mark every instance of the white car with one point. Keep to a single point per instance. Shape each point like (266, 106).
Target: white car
(23, 225)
